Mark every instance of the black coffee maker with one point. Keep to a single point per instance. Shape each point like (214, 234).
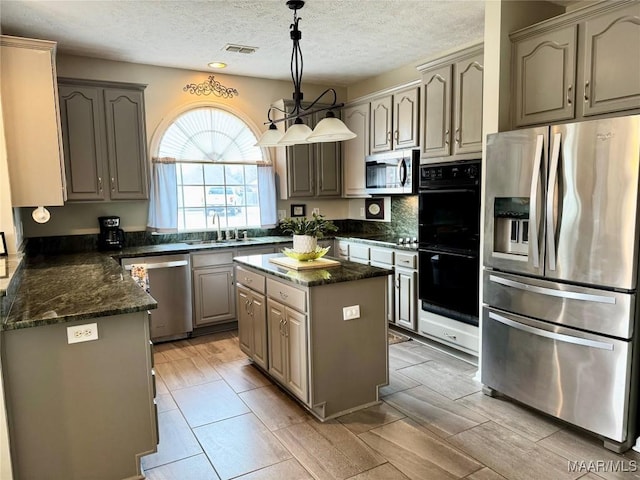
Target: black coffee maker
(111, 236)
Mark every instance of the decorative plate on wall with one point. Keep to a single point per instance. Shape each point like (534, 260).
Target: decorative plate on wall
(374, 208)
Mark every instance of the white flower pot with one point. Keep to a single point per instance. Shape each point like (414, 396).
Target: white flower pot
(304, 243)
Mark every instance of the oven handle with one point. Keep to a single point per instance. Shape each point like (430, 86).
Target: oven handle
(585, 297)
(449, 190)
(551, 335)
(155, 266)
(453, 254)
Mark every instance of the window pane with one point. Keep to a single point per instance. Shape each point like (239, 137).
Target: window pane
(251, 197)
(193, 196)
(218, 194)
(214, 174)
(192, 174)
(236, 216)
(234, 174)
(211, 216)
(194, 218)
(240, 195)
(180, 193)
(251, 174)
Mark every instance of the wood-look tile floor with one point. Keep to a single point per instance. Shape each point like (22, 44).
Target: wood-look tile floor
(221, 418)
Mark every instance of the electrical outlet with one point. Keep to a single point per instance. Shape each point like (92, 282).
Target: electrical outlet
(315, 211)
(362, 212)
(82, 333)
(282, 214)
(351, 313)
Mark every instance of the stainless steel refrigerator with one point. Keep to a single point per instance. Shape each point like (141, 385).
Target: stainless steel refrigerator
(560, 274)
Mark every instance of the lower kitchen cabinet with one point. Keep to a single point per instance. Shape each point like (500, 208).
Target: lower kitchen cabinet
(406, 291)
(81, 410)
(287, 352)
(252, 325)
(213, 288)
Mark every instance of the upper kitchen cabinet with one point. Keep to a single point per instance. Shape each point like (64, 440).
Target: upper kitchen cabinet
(103, 130)
(394, 120)
(452, 105)
(577, 65)
(309, 170)
(32, 122)
(357, 119)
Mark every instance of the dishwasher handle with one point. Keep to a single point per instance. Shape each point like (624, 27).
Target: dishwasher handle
(154, 266)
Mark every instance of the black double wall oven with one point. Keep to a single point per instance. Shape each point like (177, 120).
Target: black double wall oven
(449, 239)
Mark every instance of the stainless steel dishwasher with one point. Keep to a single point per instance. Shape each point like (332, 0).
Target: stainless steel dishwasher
(170, 285)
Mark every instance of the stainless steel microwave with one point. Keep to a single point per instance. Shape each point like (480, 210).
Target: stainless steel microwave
(393, 172)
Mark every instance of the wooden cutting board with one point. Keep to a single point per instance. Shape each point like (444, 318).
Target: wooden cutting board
(294, 264)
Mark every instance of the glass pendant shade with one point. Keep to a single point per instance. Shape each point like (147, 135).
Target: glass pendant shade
(295, 134)
(270, 138)
(330, 129)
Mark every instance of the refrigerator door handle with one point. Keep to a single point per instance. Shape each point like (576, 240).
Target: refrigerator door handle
(551, 191)
(585, 297)
(551, 335)
(533, 223)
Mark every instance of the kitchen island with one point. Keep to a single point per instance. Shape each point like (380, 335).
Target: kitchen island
(319, 333)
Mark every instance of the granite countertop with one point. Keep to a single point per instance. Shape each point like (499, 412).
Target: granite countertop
(386, 241)
(71, 287)
(61, 288)
(346, 272)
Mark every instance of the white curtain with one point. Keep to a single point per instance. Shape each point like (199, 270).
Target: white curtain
(267, 192)
(163, 197)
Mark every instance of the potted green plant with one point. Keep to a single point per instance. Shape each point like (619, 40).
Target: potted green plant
(306, 231)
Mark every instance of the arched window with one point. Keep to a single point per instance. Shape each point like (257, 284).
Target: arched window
(216, 169)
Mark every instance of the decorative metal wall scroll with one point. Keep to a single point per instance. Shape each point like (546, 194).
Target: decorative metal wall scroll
(211, 87)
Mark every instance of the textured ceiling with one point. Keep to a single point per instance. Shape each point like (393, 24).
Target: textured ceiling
(343, 41)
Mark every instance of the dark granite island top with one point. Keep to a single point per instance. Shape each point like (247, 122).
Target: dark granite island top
(346, 272)
(71, 287)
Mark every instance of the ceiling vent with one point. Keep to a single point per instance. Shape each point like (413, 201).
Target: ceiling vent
(229, 47)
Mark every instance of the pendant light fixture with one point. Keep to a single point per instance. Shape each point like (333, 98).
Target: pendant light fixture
(329, 129)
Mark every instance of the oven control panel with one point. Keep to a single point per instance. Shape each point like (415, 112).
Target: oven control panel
(451, 173)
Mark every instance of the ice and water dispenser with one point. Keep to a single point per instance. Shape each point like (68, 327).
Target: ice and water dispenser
(511, 225)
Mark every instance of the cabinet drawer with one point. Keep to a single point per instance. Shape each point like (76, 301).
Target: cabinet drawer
(287, 295)
(209, 259)
(451, 332)
(406, 260)
(252, 280)
(342, 249)
(383, 256)
(358, 252)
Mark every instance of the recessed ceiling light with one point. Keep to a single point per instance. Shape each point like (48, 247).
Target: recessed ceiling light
(217, 65)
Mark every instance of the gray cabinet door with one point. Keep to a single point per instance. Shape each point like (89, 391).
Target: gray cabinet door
(436, 102)
(245, 323)
(406, 300)
(544, 77)
(612, 61)
(81, 114)
(381, 126)
(214, 295)
(328, 170)
(467, 133)
(354, 151)
(300, 171)
(296, 338)
(276, 341)
(259, 322)
(124, 113)
(405, 118)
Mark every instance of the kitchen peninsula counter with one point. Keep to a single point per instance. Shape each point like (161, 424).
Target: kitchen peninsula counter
(64, 288)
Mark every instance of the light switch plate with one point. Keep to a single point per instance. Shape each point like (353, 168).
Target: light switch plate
(82, 333)
(351, 313)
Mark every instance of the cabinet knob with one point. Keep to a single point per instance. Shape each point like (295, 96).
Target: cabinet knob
(283, 295)
(396, 135)
(389, 136)
(569, 97)
(446, 137)
(100, 183)
(113, 184)
(448, 335)
(457, 136)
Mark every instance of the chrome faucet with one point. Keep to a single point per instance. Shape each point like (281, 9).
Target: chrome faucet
(216, 221)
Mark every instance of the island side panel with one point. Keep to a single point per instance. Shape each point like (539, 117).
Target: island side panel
(82, 410)
(349, 358)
